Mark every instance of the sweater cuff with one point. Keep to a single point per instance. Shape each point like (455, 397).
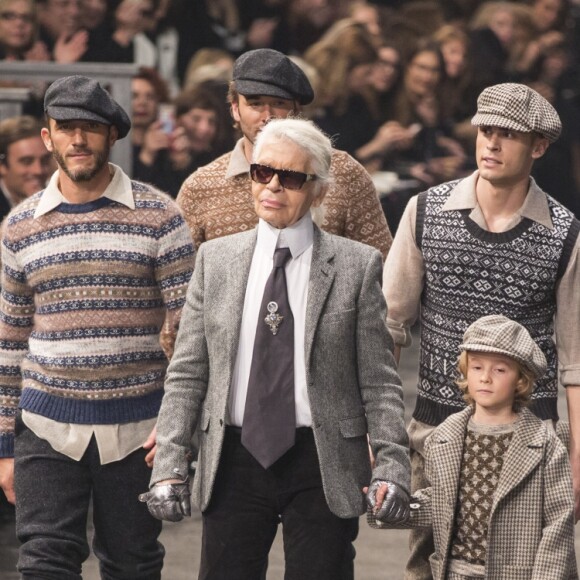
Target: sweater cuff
(401, 333)
(6, 445)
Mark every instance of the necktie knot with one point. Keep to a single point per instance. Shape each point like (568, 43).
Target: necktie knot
(281, 256)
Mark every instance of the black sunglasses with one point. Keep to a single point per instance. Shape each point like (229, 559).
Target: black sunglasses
(288, 179)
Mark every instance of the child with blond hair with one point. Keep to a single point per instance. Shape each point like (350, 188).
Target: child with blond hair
(500, 502)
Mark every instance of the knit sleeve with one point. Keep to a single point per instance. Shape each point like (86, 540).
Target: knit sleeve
(16, 315)
(365, 220)
(555, 553)
(186, 200)
(173, 270)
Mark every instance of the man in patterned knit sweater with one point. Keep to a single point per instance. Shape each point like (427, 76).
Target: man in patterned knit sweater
(492, 243)
(217, 200)
(92, 267)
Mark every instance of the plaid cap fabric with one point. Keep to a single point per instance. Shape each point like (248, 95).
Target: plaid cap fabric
(498, 334)
(517, 107)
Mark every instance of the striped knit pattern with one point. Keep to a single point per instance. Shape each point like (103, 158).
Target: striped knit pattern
(85, 292)
(215, 206)
(471, 272)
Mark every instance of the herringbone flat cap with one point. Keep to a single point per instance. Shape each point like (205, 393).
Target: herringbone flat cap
(265, 71)
(84, 99)
(500, 335)
(517, 107)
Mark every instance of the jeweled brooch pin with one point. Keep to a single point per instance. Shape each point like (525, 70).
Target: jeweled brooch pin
(273, 319)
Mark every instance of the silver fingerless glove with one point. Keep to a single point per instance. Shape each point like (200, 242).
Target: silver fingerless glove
(169, 501)
(395, 507)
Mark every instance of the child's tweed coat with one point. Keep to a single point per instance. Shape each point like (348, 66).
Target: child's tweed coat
(531, 526)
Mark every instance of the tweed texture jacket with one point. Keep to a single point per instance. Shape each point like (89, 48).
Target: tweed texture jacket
(353, 387)
(531, 525)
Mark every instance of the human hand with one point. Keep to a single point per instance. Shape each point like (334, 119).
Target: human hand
(392, 135)
(7, 478)
(38, 52)
(71, 48)
(155, 140)
(260, 32)
(180, 150)
(168, 500)
(389, 502)
(151, 444)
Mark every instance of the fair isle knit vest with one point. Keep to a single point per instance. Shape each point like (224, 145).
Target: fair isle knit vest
(471, 272)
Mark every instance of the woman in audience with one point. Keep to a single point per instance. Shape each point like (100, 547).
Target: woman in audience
(205, 118)
(345, 59)
(19, 30)
(161, 153)
(457, 98)
(433, 155)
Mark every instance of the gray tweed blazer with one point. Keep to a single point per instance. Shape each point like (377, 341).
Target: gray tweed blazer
(531, 526)
(353, 387)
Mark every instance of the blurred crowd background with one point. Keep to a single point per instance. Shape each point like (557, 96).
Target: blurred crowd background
(396, 81)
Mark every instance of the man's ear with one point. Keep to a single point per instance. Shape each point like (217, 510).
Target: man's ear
(113, 135)
(45, 134)
(540, 146)
(317, 201)
(235, 111)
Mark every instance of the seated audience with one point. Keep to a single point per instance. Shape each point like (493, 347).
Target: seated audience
(25, 163)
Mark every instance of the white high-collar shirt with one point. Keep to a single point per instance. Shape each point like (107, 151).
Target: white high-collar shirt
(299, 238)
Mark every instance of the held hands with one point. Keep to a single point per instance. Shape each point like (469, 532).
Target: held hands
(168, 501)
(389, 502)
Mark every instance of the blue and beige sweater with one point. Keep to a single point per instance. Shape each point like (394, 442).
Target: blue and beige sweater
(85, 293)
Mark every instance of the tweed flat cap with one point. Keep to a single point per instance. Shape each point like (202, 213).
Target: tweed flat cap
(77, 98)
(517, 107)
(498, 334)
(265, 71)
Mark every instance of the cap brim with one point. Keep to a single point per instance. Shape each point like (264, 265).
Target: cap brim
(74, 114)
(248, 88)
(492, 120)
(78, 114)
(474, 347)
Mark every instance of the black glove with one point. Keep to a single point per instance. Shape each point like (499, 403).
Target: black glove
(395, 507)
(169, 501)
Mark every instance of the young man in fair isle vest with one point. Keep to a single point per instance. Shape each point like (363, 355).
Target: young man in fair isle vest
(492, 243)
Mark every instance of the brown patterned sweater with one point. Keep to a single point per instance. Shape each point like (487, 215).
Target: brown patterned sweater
(217, 201)
(483, 453)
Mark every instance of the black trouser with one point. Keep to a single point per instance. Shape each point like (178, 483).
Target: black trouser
(249, 501)
(53, 493)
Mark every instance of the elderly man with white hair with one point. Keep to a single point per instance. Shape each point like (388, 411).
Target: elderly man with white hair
(284, 360)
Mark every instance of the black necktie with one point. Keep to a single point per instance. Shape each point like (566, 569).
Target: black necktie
(269, 425)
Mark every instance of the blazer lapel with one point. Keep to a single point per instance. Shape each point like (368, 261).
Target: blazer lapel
(448, 444)
(238, 271)
(322, 272)
(523, 455)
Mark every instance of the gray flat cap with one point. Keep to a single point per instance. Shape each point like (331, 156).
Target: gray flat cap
(517, 107)
(500, 335)
(265, 71)
(79, 98)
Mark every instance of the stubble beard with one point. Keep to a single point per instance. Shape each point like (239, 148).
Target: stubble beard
(83, 175)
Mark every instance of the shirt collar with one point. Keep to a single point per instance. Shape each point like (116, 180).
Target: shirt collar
(298, 237)
(4, 191)
(238, 163)
(535, 206)
(119, 190)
